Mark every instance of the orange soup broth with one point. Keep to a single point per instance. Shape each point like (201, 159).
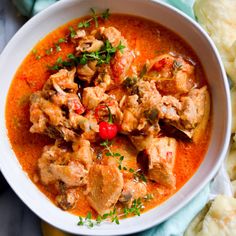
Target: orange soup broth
(147, 39)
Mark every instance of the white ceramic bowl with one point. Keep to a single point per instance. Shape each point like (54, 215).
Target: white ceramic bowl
(64, 11)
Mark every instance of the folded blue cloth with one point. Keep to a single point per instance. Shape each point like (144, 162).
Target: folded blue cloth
(175, 225)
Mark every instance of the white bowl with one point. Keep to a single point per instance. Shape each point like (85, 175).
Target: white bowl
(64, 11)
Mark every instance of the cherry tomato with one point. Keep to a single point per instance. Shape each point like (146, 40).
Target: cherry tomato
(107, 130)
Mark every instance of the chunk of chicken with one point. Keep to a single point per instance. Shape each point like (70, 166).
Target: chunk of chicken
(54, 111)
(83, 153)
(193, 107)
(131, 113)
(112, 35)
(141, 142)
(160, 159)
(61, 164)
(194, 113)
(57, 164)
(169, 108)
(120, 64)
(86, 72)
(148, 94)
(172, 74)
(62, 80)
(67, 199)
(92, 96)
(89, 44)
(132, 190)
(42, 113)
(105, 184)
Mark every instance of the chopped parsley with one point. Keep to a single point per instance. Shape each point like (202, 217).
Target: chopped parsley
(103, 56)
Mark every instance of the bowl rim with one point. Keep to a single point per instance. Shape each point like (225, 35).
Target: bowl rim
(222, 153)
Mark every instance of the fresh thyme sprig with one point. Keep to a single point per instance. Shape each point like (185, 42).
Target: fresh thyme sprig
(138, 175)
(135, 209)
(85, 24)
(103, 56)
(90, 223)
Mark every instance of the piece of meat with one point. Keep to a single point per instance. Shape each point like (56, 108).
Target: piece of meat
(43, 112)
(89, 44)
(67, 200)
(111, 34)
(59, 164)
(141, 141)
(173, 75)
(148, 94)
(83, 153)
(132, 190)
(194, 113)
(61, 81)
(169, 108)
(92, 96)
(131, 113)
(54, 111)
(120, 65)
(86, 72)
(73, 174)
(160, 157)
(105, 184)
(193, 107)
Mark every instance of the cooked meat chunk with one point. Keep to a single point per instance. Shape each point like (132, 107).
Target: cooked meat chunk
(83, 152)
(193, 107)
(55, 110)
(120, 65)
(140, 141)
(105, 184)
(132, 190)
(194, 113)
(86, 72)
(89, 44)
(92, 96)
(70, 167)
(131, 113)
(67, 200)
(160, 156)
(80, 34)
(169, 108)
(73, 174)
(173, 75)
(42, 113)
(148, 94)
(62, 80)
(112, 35)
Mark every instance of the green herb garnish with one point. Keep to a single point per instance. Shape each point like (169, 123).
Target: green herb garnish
(135, 209)
(87, 221)
(72, 32)
(85, 24)
(103, 56)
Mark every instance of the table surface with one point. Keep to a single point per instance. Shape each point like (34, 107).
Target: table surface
(16, 218)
